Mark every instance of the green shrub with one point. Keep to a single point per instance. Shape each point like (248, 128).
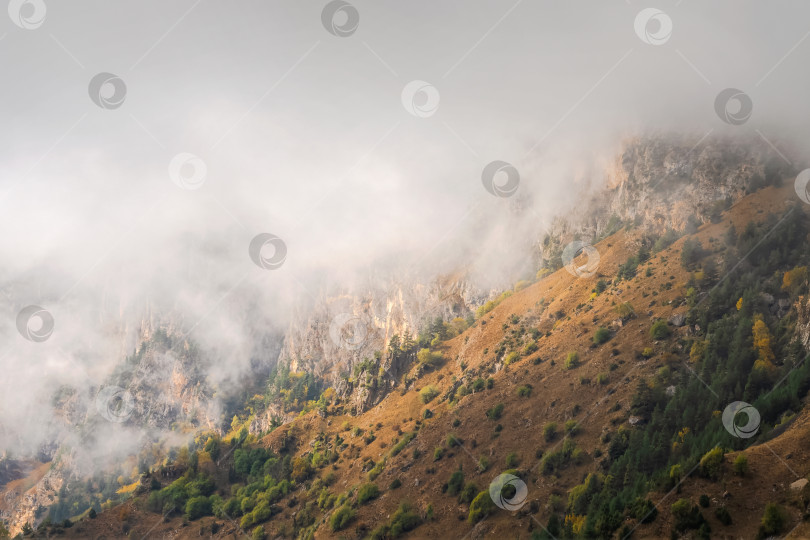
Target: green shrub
(572, 360)
(773, 520)
(456, 483)
(550, 431)
(367, 492)
(468, 493)
(643, 510)
(403, 520)
(703, 500)
(380, 532)
(341, 517)
(530, 348)
(688, 516)
(741, 465)
(480, 507)
(553, 462)
(438, 453)
(395, 483)
(478, 384)
(483, 463)
(511, 460)
(691, 252)
(722, 515)
(375, 472)
(495, 412)
(628, 269)
(571, 427)
(511, 357)
(601, 335)
(711, 463)
(524, 391)
(659, 330)
(602, 379)
(625, 310)
(397, 448)
(197, 507)
(429, 359)
(428, 393)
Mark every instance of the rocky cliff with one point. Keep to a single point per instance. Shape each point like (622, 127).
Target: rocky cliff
(672, 182)
(349, 326)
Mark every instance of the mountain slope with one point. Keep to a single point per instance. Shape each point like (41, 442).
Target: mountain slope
(600, 396)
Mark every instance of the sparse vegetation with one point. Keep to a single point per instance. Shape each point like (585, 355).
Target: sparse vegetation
(367, 492)
(456, 483)
(341, 518)
(711, 463)
(555, 461)
(572, 360)
(481, 507)
(550, 431)
(625, 310)
(602, 335)
(659, 330)
(773, 521)
(495, 412)
(741, 465)
(427, 394)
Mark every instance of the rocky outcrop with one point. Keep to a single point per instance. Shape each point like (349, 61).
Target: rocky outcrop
(667, 181)
(803, 322)
(347, 327)
(22, 503)
(672, 182)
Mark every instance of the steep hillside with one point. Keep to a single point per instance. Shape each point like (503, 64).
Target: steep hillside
(603, 395)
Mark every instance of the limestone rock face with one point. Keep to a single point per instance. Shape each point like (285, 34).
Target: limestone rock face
(803, 322)
(670, 182)
(345, 328)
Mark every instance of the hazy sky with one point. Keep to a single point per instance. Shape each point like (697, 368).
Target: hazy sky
(306, 135)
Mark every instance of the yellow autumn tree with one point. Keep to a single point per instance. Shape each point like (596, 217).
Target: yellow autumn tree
(793, 279)
(697, 350)
(762, 344)
(576, 522)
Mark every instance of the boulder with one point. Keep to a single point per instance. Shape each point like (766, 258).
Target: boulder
(799, 484)
(677, 320)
